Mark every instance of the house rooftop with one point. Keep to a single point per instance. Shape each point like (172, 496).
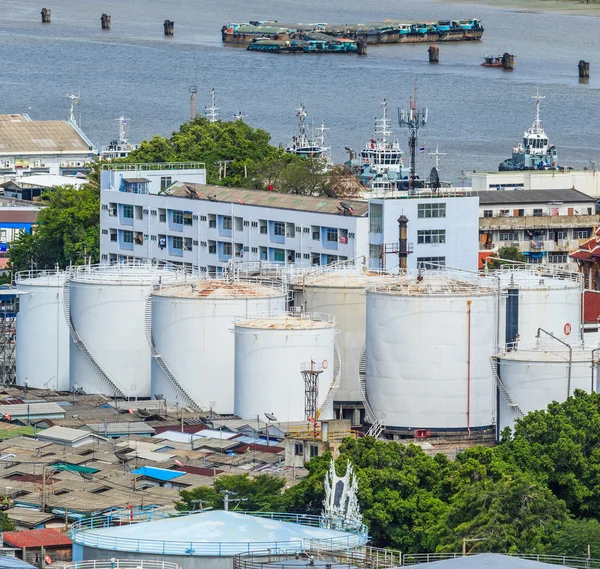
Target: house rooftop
(31, 409)
(64, 434)
(130, 427)
(36, 538)
(267, 199)
(510, 197)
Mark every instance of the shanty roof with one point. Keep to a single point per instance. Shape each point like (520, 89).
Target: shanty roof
(44, 181)
(267, 199)
(128, 427)
(41, 137)
(36, 538)
(64, 434)
(27, 516)
(161, 474)
(136, 180)
(14, 563)
(500, 197)
(487, 560)
(31, 409)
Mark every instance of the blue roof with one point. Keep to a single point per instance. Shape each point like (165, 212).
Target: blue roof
(14, 563)
(161, 474)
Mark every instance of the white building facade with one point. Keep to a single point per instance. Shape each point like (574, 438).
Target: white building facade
(441, 231)
(205, 228)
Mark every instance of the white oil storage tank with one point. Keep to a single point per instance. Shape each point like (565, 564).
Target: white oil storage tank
(105, 306)
(535, 375)
(193, 344)
(428, 347)
(282, 362)
(547, 298)
(341, 292)
(42, 343)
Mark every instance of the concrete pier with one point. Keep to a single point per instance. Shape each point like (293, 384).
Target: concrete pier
(584, 69)
(105, 21)
(169, 27)
(434, 54)
(361, 45)
(508, 61)
(46, 15)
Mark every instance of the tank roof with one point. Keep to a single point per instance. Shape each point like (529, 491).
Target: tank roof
(537, 277)
(214, 533)
(134, 274)
(436, 285)
(301, 321)
(50, 277)
(342, 279)
(218, 289)
(547, 351)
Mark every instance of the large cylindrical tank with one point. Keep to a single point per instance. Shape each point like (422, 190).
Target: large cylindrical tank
(42, 332)
(428, 350)
(536, 375)
(270, 354)
(548, 299)
(110, 353)
(191, 331)
(342, 294)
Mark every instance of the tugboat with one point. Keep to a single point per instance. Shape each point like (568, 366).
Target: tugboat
(535, 153)
(382, 164)
(118, 148)
(492, 61)
(309, 146)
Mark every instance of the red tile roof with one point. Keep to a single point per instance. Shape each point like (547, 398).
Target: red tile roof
(36, 538)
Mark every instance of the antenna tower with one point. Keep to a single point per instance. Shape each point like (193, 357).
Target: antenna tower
(310, 373)
(211, 113)
(412, 118)
(74, 100)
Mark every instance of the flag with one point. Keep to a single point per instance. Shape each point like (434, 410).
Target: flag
(422, 149)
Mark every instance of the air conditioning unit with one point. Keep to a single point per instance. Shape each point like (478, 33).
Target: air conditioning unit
(79, 164)
(37, 164)
(145, 211)
(8, 164)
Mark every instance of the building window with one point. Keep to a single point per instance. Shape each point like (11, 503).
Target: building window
(279, 228)
(162, 215)
(212, 247)
(254, 224)
(165, 182)
(227, 248)
(127, 236)
(128, 211)
(332, 235)
(426, 210)
(561, 235)
(557, 257)
(177, 243)
(534, 260)
(432, 263)
(246, 223)
(187, 244)
(254, 249)
(306, 230)
(582, 233)
(139, 238)
(298, 256)
(279, 255)
(431, 236)
(203, 218)
(3, 233)
(306, 255)
(298, 449)
(376, 218)
(537, 212)
(187, 218)
(178, 217)
(314, 451)
(488, 213)
(509, 236)
(227, 223)
(113, 234)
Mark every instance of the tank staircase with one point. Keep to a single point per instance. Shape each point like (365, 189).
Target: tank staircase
(502, 388)
(181, 392)
(107, 385)
(335, 383)
(377, 425)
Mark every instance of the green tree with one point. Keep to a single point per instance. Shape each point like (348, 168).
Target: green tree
(508, 253)
(573, 537)
(6, 524)
(67, 231)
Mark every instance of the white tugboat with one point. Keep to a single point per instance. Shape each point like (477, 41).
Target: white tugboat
(535, 152)
(309, 145)
(382, 162)
(120, 147)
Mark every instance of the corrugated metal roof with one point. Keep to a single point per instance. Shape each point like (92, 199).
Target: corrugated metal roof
(36, 538)
(64, 434)
(266, 199)
(118, 428)
(40, 137)
(157, 473)
(22, 409)
(499, 197)
(14, 563)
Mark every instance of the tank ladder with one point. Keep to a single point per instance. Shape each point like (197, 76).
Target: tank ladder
(377, 425)
(335, 382)
(179, 390)
(502, 388)
(107, 384)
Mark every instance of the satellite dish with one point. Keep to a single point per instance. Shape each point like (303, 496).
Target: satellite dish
(270, 416)
(212, 198)
(86, 475)
(434, 179)
(347, 208)
(331, 193)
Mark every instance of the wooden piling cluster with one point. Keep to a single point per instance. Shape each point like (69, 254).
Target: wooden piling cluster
(46, 15)
(434, 54)
(169, 27)
(105, 21)
(361, 46)
(508, 61)
(584, 69)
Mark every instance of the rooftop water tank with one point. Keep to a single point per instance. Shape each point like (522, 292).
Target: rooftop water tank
(193, 346)
(427, 359)
(271, 353)
(105, 308)
(42, 332)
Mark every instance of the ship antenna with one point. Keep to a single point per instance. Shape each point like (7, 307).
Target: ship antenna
(122, 129)
(74, 100)
(537, 97)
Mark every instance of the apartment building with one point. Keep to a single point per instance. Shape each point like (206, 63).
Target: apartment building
(205, 228)
(544, 224)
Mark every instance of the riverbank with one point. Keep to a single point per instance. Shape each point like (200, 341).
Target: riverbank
(564, 6)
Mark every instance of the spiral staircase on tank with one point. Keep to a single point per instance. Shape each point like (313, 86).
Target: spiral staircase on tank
(502, 388)
(335, 381)
(180, 392)
(105, 384)
(377, 425)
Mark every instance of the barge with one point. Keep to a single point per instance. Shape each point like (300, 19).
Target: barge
(390, 31)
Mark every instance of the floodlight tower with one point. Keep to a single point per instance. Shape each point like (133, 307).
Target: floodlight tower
(413, 118)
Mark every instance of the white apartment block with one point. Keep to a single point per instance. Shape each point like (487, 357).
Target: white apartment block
(442, 230)
(205, 228)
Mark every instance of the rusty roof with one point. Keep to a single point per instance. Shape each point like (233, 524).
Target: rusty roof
(36, 538)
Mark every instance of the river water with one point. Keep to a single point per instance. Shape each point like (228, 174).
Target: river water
(475, 114)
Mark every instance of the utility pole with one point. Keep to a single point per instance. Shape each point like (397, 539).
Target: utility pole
(44, 488)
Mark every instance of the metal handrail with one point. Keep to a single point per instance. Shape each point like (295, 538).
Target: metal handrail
(122, 564)
(154, 166)
(565, 560)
